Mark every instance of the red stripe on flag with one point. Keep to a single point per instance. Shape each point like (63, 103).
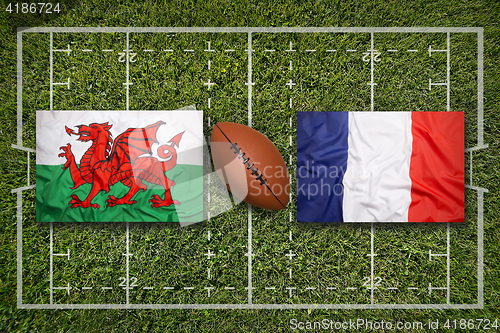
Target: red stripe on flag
(437, 167)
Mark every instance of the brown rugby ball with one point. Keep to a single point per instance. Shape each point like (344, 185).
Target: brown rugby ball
(250, 165)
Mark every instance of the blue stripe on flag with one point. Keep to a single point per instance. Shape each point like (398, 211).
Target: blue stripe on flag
(321, 164)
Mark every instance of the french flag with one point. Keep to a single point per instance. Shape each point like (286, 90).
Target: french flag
(380, 166)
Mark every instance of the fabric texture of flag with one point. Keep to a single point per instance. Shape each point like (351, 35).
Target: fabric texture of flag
(119, 166)
(380, 167)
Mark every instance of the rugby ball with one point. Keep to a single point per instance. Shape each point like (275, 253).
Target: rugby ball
(250, 165)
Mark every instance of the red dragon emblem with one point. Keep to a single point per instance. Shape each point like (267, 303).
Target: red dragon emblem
(129, 161)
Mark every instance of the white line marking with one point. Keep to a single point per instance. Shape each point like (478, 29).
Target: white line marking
(290, 290)
(411, 50)
(68, 50)
(470, 168)
(269, 50)
(86, 288)
(330, 288)
(209, 254)
(86, 50)
(209, 63)
(209, 84)
(147, 288)
(290, 160)
(188, 50)
(229, 50)
(148, 50)
(354, 50)
(62, 254)
(209, 49)
(270, 288)
(436, 255)
(351, 288)
(412, 288)
(229, 288)
(127, 91)
(68, 288)
(331, 50)
(209, 276)
(28, 175)
(168, 288)
(107, 50)
(290, 140)
(392, 288)
(290, 255)
(209, 100)
(311, 288)
(480, 122)
(168, 50)
(290, 102)
(188, 288)
(208, 289)
(311, 50)
(290, 272)
(290, 65)
(107, 288)
(431, 50)
(479, 189)
(448, 72)
(290, 49)
(392, 50)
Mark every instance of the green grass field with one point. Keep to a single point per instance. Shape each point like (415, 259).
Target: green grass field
(326, 255)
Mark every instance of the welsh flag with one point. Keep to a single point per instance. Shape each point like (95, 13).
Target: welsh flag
(119, 166)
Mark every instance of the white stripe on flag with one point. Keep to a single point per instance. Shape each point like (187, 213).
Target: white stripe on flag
(51, 134)
(377, 184)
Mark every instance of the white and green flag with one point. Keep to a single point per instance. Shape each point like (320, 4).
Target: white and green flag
(119, 166)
